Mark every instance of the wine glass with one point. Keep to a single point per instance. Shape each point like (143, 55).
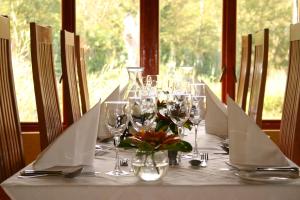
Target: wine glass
(181, 87)
(197, 114)
(179, 106)
(150, 84)
(142, 112)
(198, 110)
(116, 120)
(198, 89)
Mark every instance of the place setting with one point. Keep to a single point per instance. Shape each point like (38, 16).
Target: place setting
(252, 153)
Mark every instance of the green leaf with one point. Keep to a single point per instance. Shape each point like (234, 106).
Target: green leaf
(174, 128)
(144, 146)
(162, 125)
(127, 144)
(130, 143)
(188, 124)
(182, 146)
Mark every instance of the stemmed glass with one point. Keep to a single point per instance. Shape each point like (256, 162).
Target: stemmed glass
(142, 112)
(181, 89)
(198, 110)
(179, 106)
(116, 120)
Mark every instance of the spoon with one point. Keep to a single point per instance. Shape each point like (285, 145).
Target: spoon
(195, 163)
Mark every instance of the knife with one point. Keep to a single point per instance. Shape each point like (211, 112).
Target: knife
(294, 170)
(40, 172)
(278, 169)
(67, 173)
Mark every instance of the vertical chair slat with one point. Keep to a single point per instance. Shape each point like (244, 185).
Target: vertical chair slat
(82, 78)
(243, 85)
(45, 87)
(69, 77)
(290, 122)
(259, 75)
(11, 151)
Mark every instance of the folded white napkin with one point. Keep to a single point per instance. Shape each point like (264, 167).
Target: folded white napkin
(216, 115)
(103, 132)
(248, 145)
(75, 146)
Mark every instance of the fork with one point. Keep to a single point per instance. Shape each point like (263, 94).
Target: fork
(204, 158)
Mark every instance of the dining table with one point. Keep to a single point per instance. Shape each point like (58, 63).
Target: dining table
(218, 180)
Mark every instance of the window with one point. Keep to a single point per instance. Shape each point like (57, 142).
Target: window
(190, 38)
(110, 29)
(21, 12)
(253, 16)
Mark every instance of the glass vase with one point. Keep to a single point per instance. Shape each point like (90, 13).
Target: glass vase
(150, 166)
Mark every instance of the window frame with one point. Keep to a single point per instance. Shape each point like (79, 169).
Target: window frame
(149, 48)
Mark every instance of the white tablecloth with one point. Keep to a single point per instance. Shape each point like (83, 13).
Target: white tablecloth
(216, 181)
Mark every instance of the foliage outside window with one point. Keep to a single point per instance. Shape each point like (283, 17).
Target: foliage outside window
(110, 29)
(253, 16)
(190, 37)
(21, 13)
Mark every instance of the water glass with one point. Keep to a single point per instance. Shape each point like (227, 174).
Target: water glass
(179, 107)
(116, 120)
(197, 114)
(142, 112)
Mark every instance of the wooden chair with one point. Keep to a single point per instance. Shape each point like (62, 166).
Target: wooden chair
(290, 122)
(261, 46)
(244, 71)
(81, 69)
(45, 87)
(68, 60)
(11, 150)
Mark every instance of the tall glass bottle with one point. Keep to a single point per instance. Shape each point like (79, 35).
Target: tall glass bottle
(135, 82)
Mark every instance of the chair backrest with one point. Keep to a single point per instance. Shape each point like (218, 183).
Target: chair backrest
(68, 60)
(290, 122)
(261, 46)
(45, 87)
(81, 69)
(11, 150)
(244, 71)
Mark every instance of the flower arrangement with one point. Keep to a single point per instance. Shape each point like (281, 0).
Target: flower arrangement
(152, 141)
(151, 162)
(153, 146)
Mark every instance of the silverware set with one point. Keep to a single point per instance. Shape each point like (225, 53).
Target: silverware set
(202, 162)
(66, 173)
(38, 173)
(204, 159)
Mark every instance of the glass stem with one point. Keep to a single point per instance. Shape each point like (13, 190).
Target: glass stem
(180, 132)
(195, 152)
(117, 165)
